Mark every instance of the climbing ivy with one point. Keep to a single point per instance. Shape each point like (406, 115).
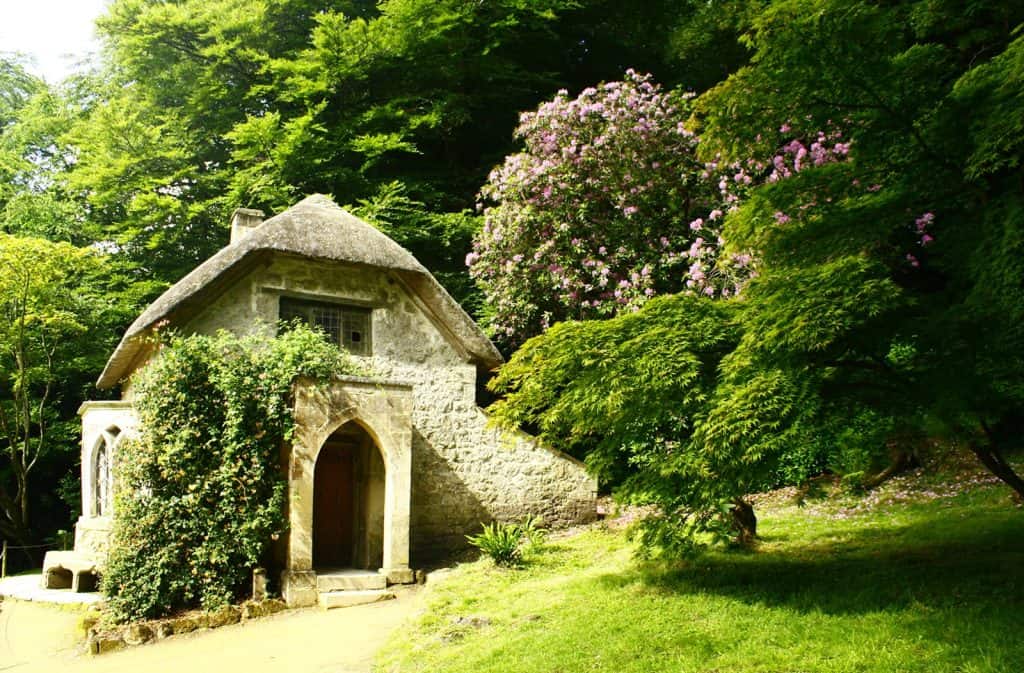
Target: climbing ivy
(200, 491)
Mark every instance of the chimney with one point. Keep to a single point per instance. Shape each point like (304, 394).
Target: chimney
(244, 220)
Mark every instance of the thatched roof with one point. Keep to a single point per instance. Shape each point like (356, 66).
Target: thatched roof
(315, 228)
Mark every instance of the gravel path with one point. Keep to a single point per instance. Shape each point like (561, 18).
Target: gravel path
(42, 638)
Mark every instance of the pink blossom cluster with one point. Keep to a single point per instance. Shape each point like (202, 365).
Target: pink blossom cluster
(798, 153)
(925, 238)
(606, 206)
(795, 155)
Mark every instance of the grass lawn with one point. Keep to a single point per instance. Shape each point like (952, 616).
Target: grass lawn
(913, 578)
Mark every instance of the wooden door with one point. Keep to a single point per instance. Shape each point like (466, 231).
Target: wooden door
(333, 508)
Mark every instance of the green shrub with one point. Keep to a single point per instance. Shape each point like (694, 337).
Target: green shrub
(861, 445)
(800, 464)
(200, 493)
(505, 543)
(853, 482)
(849, 445)
(534, 533)
(500, 541)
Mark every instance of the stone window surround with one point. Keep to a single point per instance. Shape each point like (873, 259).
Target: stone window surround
(98, 419)
(345, 312)
(286, 293)
(101, 472)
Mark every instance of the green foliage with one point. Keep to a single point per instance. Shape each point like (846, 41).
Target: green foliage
(34, 159)
(849, 443)
(17, 86)
(62, 307)
(534, 532)
(888, 285)
(894, 287)
(639, 397)
(500, 541)
(214, 105)
(395, 212)
(202, 106)
(57, 322)
(704, 46)
(506, 543)
(995, 90)
(201, 494)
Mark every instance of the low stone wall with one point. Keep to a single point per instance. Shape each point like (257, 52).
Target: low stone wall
(101, 640)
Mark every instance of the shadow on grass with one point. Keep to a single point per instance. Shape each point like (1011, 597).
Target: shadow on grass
(949, 593)
(869, 570)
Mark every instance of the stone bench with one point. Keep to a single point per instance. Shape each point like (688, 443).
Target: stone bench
(68, 570)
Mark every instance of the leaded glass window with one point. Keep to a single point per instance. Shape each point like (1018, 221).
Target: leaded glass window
(103, 473)
(347, 326)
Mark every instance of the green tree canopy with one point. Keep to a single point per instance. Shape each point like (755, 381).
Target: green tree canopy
(398, 108)
(888, 285)
(925, 217)
(59, 314)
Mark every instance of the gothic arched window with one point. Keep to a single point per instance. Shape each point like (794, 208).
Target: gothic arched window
(103, 473)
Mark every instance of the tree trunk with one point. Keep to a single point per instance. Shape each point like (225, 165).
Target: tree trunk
(901, 461)
(744, 521)
(21, 495)
(12, 528)
(992, 458)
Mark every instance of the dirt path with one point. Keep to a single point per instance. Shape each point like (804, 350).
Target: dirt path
(41, 639)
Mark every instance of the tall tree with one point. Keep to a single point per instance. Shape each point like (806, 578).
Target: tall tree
(926, 216)
(398, 108)
(35, 159)
(57, 323)
(17, 87)
(62, 306)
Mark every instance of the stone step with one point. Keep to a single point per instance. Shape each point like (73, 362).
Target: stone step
(350, 580)
(346, 599)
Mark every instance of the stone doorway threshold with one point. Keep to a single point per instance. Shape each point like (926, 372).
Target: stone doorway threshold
(345, 587)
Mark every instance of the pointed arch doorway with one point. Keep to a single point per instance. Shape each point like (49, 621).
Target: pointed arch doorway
(349, 486)
(371, 418)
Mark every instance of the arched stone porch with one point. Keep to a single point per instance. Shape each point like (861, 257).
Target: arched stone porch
(383, 409)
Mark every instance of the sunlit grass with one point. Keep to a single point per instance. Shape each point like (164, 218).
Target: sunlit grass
(911, 584)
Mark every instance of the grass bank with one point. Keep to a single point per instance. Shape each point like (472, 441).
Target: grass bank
(916, 577)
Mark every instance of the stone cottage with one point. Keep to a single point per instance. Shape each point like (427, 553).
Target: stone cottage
(386, 474)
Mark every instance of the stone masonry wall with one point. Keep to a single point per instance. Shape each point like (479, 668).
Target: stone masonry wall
(463, 471)
(92, 533)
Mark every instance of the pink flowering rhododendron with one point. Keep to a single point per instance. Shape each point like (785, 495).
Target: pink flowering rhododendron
(606, 206)
(921, 225)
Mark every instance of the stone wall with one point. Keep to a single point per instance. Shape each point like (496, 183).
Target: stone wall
(463, 471)
(92, 537)
(109, 422)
